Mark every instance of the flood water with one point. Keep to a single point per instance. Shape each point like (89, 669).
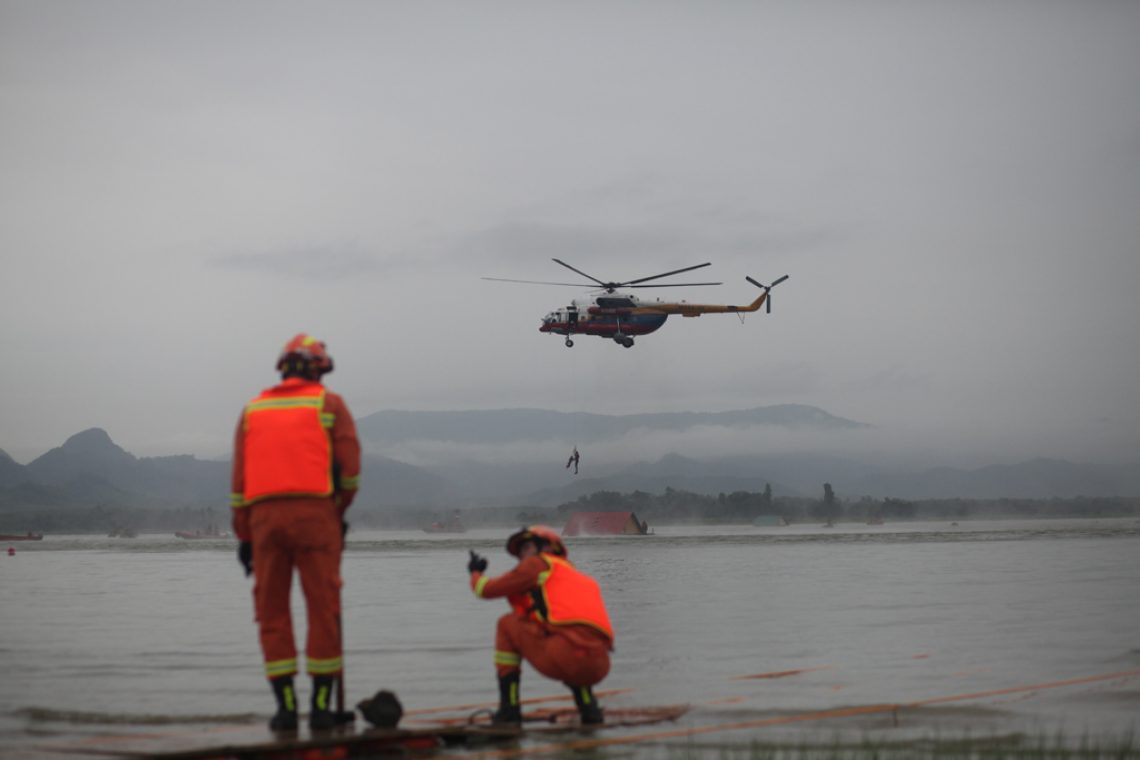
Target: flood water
(104, 635)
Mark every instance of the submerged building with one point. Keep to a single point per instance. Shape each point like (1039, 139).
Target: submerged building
(605, 524)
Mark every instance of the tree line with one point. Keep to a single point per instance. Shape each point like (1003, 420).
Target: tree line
(746, 506)
(672, 506)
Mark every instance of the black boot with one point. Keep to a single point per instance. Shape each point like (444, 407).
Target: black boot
(321, 716)
(286, 718)
(589, 712)
(509, 712)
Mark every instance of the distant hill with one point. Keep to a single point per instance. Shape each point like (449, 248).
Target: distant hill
(499, 426)
(799, 474)
(672, 471)
(1032, 479)
(387, 483)
(89, 469)
(803, 474)
(91, 452)
(11, 471)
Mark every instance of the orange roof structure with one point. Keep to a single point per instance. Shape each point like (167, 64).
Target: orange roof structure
(604, 524)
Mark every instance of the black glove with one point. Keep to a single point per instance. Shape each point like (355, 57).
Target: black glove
(245, 556)
(343, 528)
(477, 564)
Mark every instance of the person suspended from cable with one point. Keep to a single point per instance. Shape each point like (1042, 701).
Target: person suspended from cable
(573, 460)
(558, 622)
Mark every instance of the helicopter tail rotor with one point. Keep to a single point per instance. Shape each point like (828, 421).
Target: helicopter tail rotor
(767, 291)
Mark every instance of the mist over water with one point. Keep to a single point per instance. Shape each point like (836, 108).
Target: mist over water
(897, 445)
(108, 636)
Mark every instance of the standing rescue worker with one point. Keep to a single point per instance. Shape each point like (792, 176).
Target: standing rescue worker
(558, 622)
(295, 472)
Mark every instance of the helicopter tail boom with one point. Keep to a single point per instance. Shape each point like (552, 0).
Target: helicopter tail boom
(697, 309)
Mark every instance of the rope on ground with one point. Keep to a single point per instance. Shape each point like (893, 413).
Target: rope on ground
(530, 701)
(842, 712)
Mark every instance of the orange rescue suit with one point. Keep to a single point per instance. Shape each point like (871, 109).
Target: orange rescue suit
(296, 469)
(559, 622)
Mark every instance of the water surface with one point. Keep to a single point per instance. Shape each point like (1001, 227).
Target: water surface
(101, 634)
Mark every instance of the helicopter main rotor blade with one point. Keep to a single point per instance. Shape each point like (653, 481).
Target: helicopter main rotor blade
(666, 274)
(673, 285)
(762, 285)
(588, 277)
(540, 282)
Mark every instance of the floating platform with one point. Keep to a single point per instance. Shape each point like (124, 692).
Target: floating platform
(249, 742)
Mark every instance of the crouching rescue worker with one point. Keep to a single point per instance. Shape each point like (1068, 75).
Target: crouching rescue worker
(558, 622)
(295, 472)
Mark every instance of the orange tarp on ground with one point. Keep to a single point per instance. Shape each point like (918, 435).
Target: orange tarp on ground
(604, 524)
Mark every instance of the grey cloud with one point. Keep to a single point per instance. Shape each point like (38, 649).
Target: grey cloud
(646, 247)
(892, 379)
(522, 241)
(659, 219)
(328, 262)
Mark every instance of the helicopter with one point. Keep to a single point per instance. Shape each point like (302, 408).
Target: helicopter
(619, 316)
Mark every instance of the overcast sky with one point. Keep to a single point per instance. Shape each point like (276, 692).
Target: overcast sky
(954, 188)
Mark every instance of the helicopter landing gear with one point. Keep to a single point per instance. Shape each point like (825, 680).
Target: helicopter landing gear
(569, 343)
(623, 340)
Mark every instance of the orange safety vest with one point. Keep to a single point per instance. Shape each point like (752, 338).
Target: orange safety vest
(565, 596)
(288, 451)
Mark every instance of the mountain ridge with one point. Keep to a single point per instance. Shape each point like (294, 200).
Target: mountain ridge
(491, 426)
(89, 468)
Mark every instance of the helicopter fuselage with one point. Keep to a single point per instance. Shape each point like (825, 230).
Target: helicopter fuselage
(616, 316)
